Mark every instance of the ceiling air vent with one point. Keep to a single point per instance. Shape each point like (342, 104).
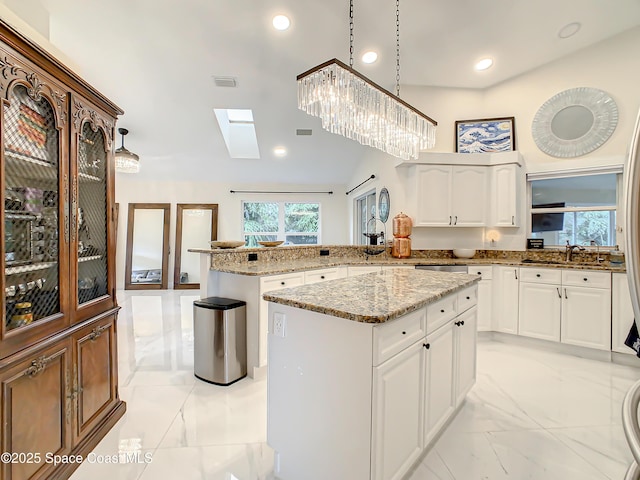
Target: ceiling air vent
(303, 131)
(225, 82)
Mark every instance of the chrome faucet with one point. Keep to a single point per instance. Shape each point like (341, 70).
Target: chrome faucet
(570, 248)
(599, 259)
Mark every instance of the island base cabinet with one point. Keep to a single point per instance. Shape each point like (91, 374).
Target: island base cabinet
(398, 398)
(465, 352)
(36, 412)
(439, 385)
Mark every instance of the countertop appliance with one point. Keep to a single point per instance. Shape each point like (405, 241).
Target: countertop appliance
(444, 268)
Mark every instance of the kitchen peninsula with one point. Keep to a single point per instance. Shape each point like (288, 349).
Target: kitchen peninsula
(365, 371)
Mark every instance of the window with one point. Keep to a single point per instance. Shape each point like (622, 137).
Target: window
(294, 223)
(365, 208)
(578, 209)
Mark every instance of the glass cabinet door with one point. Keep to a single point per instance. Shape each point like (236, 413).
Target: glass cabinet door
(90, 218)
(32, 214)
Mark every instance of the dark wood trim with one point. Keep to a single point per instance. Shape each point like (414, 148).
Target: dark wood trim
(178, 244)
(128, 285)
(369, 82)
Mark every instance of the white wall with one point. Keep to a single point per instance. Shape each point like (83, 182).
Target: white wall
(612, 66)
(334, 217)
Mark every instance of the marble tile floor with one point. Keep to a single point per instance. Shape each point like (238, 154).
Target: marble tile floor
(533, 414)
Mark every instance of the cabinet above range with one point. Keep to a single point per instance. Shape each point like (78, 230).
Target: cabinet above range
(466, 191)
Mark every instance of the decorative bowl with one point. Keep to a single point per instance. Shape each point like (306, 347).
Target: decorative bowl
(464, 252)
(271, 244)
(226, 243)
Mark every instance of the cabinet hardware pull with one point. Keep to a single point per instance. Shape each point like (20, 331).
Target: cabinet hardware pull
(404, 333)
(455, 221)
(585, 279)
(450, 219)
(441, 311)
(462, 322)
(559, 294)
(281, 283)
(515, 272)
(426, 345)
(479, 273)
(96, 332)
(66, 208)
(565, 293)
(538, 275)
(513, 219)
(468, 298)
(322, 277)
(38, 365)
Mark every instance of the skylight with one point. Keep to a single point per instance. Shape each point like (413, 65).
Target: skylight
(238, 131)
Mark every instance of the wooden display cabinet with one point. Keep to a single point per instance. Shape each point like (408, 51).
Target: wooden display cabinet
(58, 353)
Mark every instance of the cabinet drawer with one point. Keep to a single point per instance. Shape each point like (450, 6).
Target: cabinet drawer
(394, 336)
(541, 275)
(440, 312)
(315, 276)
(586, 278)
(486, 272)
(268, 284)
(467, 298)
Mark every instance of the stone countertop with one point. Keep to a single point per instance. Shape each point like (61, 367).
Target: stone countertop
(373, 297)
(289, 266)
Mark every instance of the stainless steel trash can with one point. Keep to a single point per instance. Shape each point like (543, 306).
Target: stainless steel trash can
(220, 340)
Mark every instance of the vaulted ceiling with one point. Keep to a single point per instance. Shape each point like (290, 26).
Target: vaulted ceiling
(157, 59)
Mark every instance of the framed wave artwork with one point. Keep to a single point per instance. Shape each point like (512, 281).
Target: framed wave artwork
(486, 135)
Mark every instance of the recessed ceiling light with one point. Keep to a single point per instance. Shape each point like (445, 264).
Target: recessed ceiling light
(369, 57)
(279, 151)
(281, 22)
(484, 64)
(569, 30)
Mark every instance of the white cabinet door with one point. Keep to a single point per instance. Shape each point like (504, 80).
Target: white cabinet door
(440, 370)
(506, 300)
(398, 403)
(586, 317)
(621, 313)
(540, 307)
(433, 195)
(469, 196)
(465, 328)
(504, 205)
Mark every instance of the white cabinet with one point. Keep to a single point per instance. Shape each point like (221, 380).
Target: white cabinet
(506, 299)
(621, 313)
(465, 332)
(506, 190)
(362, 269)
(398, 398)
(485, 296)
(540, 303)
(440, 371)
(324, 274)
(586, 317)
(445, 195)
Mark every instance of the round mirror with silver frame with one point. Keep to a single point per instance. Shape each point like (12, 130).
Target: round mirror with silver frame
(574, 122)
(383, 205)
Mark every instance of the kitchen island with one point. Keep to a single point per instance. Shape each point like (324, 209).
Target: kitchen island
(364, 372)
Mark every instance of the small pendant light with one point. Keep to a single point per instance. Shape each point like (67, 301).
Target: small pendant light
(126, 161)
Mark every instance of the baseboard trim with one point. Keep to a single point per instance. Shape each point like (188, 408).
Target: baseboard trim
(90, 442)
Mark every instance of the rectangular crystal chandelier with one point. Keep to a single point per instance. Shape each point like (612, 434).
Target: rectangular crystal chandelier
(351, 105)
